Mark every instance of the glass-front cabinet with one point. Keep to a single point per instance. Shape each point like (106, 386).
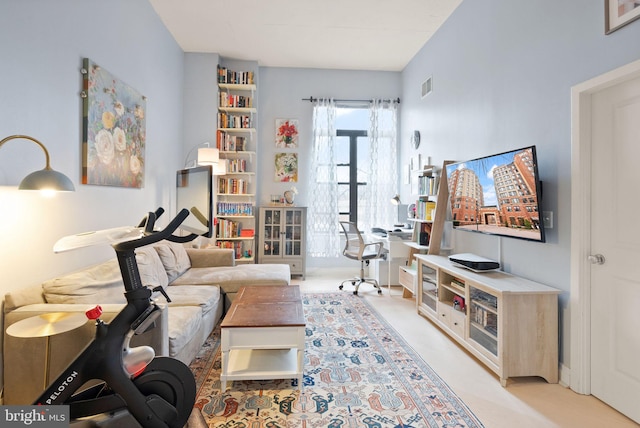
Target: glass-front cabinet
(428, 296)
(483, 323)
(282, 237)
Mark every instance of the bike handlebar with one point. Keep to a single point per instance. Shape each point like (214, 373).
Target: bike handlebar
(156, 236)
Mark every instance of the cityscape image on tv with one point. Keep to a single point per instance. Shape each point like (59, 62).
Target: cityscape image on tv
(497, 195)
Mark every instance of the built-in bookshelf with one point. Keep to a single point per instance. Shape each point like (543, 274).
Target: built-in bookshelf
(236, 140)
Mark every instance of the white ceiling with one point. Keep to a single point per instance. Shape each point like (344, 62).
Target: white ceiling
(337, 34)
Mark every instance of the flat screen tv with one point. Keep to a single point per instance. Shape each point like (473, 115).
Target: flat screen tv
(498, 195)
(193, 192)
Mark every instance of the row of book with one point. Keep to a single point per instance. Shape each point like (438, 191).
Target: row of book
(226, 142)
(233, 186)
(425, 209)
(234, 208)
(234, 121)
(488, 320)
(427, 185)
(237, 77)
(231, 100)
(228, 229)
(484, 298)
(236, 246)
(236, 165)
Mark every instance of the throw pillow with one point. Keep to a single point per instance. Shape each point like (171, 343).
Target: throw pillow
(151, 269)
(174, 257)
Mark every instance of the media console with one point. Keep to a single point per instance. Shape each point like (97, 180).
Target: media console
(509, 323)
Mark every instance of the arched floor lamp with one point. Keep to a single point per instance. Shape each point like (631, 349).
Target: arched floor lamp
(45, 179)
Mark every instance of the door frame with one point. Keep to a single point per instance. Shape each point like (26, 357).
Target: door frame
(580, 298)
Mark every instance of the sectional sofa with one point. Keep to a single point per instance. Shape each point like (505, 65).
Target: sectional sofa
(201, 283)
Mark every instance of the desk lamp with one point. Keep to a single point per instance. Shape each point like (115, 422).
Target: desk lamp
(46, 179)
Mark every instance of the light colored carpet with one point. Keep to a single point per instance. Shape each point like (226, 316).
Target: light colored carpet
(358, 372)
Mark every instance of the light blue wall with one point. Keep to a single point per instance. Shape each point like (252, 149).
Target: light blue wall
(502, 75)
(42, 44)
(200, 101)
(281, 94)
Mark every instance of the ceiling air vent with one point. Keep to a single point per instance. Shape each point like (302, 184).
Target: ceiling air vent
(427, 86)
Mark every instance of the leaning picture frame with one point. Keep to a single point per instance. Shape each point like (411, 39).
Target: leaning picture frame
(619, 13)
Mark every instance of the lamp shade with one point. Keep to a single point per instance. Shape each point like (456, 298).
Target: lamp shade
(220, 168)
(45, 179)
(395, 200)
(208, 156)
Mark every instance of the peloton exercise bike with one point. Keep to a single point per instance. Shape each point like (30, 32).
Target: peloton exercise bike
(135, 387)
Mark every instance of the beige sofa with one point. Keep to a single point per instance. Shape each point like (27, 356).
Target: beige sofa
(200, 283)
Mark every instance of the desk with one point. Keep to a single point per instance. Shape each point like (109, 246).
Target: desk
(397, 252)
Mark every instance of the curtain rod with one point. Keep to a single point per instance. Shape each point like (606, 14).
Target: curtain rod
(311, 99)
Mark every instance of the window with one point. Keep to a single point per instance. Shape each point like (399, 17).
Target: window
(368, 173)
(352, 161)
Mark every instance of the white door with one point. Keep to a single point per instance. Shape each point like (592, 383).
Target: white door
(615, 247)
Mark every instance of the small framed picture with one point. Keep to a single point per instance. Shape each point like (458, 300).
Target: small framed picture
(619, 13)
(286, 133)
(286, 166)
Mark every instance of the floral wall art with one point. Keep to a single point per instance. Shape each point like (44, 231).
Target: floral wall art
(286, 167)
(113, 130)
(286, 133)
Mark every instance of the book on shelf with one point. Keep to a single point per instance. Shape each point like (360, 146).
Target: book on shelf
(233, 186)
(235, 77)
(235, 101)
(425, 209)
(235, 208)
(457, 283)
(226, 142)
(428, 185)
(236, 165)
(228, 229)
(237, 247)
(232, 121)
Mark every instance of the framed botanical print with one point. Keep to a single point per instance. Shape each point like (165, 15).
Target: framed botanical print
(286, 167)
(113, 130)
(286, 133)
(619, 13)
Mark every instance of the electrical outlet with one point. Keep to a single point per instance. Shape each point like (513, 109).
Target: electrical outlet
(547, 219)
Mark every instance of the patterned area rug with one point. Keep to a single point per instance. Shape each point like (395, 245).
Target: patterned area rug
(358, 372)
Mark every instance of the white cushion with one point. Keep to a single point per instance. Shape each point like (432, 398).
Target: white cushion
(205, 296)
(184, 323)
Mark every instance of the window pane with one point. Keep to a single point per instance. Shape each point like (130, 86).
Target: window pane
(343, 198)
(342, 150)
(352, 118)
(343, 173)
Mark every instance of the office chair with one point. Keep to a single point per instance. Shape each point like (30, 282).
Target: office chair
(356, 249)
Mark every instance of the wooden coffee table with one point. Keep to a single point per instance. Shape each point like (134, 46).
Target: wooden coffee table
(263, 335)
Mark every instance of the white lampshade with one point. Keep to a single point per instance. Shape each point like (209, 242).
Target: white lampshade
(220, 168)
(395, 200)
(208, 156)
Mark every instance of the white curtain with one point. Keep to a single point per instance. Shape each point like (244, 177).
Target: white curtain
(383, 179)
(322, 217)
